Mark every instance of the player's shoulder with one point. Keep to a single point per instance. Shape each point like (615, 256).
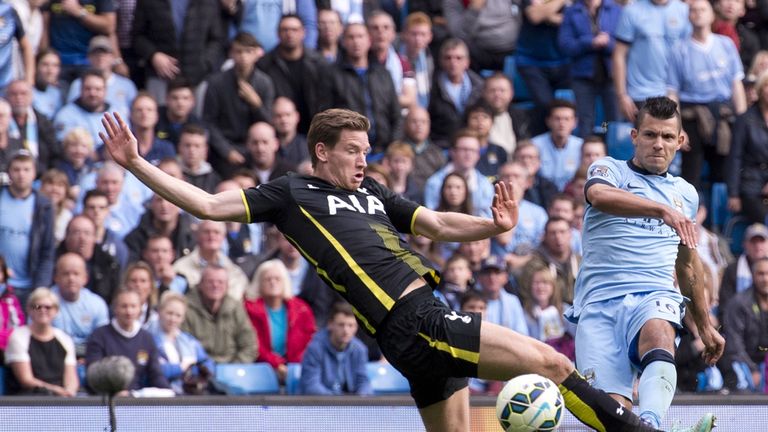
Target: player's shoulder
(603, 166)
(686, 189)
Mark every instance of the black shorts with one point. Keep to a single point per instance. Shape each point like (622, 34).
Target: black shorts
(434, 347)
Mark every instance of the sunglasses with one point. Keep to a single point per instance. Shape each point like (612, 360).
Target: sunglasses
(38, 307)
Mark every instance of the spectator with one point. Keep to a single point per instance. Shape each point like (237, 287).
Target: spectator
(586, 37)
(456, 282)
(120, 91)
(503, 308)
(707, 83)
(139, 277)
(31, 18)
(490, 29)
(144, 119)
(159, 254)
(747, 176)
(96, 208)
(285, 120)
(263, 153)
(540, 63)
(351, 11)
(283, 324)
(27, 225)
(563, 206)
(179, 111)
(517, 245)
(556, 255)
(210, 238)
(175, 41)
(399, 159)
(219, 322)
(381, 28)
(262, 20)
(76, 159)
(70, 25)
(297, 73)
(465, 154)
(86, 111)
(454, 87)
(473, 301)
(11, 312)
(543, 304)
(714, 252)
(492, 156)
(55, 186)
(42, 357)
(329, 29)
(509, 123)
(179, 351)
(592, 149)
(416, 37)
(243, 240)
(103, 268)
(82, 311)
(646, 30)
(539, 190)
(727, 23)
(193, 155)
(14, 29)
(335, 360)
(455, 195)
(559, 150)
(8, 144)
(30, 126)
(428, 157)
(123, 336)
(366, 87)
(48, 92)
(125, 197)
(378, 172)
(236, 99)
(163, 218)
(738, 276)
(746, 330)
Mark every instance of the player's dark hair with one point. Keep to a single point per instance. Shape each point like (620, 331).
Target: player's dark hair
(342, 308)
(661, 108)
(326, 128)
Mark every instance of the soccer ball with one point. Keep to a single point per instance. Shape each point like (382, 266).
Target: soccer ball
(529, 403)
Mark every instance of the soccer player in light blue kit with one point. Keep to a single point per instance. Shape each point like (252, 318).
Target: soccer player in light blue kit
(638, 233)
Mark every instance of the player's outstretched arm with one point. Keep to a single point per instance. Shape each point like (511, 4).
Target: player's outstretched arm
(689, 269)
(615, 201)
(123, 147)
(459, 227)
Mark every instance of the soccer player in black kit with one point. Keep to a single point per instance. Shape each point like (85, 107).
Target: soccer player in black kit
(347, 226)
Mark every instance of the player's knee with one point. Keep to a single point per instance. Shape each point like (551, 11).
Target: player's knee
(654, 355)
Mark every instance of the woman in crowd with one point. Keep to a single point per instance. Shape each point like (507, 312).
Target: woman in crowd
(179, 351)
(48, 94)
(42, 357)
(284, 324)
(139, 277)
(456, 280)
(455, 195)
(11, 313)
(55, 185)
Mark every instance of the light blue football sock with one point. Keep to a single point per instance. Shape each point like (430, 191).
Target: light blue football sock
(656, 390)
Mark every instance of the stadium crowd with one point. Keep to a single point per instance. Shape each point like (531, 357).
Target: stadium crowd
(460, 94)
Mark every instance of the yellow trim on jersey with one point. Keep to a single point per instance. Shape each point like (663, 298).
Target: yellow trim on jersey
(247, 208)
(458, 353)
(413, 220)
(320, 271)
(363, 320)
(581, 410)
(377, 291)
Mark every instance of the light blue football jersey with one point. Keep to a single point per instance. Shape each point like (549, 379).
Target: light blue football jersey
(624, 255)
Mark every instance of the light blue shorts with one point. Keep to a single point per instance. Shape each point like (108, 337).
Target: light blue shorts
(608, 332)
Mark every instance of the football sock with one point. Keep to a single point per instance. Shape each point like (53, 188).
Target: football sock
(656, 390)
(596, 409)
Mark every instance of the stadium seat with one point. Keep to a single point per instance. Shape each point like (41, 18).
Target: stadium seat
(718, 207)
(2, 380)
(246, 379)
(565, 94)
(734, 232)
(619, 141)
(293, 379)
(385, 379)
(519, 86)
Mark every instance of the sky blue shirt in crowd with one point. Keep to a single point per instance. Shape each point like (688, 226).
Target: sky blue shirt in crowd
(261, 18)
(72, 115)
(507, 311)
(80, 318)
(628, 255)
(10, 28)
(121, 92)
(15, 234)
(651, 30)
(527, 234)
(704, 72)
(558, 165)
(47, 102)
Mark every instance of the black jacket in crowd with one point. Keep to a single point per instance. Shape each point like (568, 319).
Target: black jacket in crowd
(182, 237)
(446, 119)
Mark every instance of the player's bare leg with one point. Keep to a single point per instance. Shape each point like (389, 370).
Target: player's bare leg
(450, 415)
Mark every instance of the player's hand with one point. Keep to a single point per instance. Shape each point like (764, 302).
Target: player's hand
(714, 345)
(684, 227)
(119, 140)
(627, 107)
(504, 207)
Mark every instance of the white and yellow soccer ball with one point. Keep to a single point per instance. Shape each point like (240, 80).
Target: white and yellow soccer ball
(529, 403)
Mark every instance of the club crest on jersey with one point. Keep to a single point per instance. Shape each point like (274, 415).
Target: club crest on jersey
(598, 171)
(678, 202)
(370, 206)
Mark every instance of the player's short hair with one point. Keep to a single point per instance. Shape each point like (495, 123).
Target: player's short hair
(246, 39)
(662, 108)
(326, 128)
(417, 18)
(340, 308)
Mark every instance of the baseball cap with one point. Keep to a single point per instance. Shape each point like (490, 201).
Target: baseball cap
(99, 43)
(493, 262)
(756, 230)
